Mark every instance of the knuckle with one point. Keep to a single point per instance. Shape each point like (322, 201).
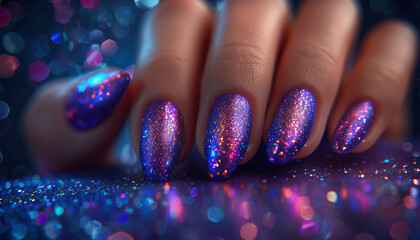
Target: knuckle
(315, 61)
(166, 61)
(385, 74)
(242, 55)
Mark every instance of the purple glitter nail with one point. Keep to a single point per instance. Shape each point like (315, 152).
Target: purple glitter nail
(160, 140)
(93, 99)
(227, 134)
(353, 127)
(291, 126)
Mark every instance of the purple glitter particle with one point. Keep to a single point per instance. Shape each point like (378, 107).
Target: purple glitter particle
(93, 99)
(353, 127)
(38, 71)
(161, 140)
(291, 126)
(227, 134)
(5, 17)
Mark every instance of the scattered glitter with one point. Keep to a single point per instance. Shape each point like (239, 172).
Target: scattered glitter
(38, 71)
(124, 15)
(309, 228)
(4, 110)
(215, 214)
(8, 66)
(13, 42)
(291, 126)
(79, 35)
(4, 17)
(161, 138)
(332, 196)
(146, 3)
(248, 231)
(109, 47)
(58, 37)
(353, 127)
(227, 134)
(93, 99)
(89, 4)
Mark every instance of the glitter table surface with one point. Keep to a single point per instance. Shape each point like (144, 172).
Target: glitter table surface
(374, 195)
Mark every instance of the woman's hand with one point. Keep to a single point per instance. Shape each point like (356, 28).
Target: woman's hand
(228, 80)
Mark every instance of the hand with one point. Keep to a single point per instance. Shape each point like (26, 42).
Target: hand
(228, 80)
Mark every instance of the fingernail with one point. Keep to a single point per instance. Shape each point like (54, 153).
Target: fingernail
(161, 139)
(94, 98)
(291, 126)
(353, 127)
(227, 134)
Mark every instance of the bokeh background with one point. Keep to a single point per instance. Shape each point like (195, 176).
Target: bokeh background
(42, 40)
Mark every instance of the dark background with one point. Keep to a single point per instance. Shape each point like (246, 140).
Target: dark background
(38, 18)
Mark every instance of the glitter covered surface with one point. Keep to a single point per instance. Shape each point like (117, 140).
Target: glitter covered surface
(325, 196)
(353, 127)
(94, 98)
(227, 134)
(291, 126)
(161, 140)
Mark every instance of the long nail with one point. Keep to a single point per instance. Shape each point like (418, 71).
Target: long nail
(291, 126)
(161, 140)
(227, 134)
(94, 98)
(353, 127)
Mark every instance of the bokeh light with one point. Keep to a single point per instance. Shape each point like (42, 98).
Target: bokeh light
(38, 71)
(8, 65)
(124, 15)
(105, 20)
(399, 230)
(63, 13)
(58, 37)
(13, 42)
(5, 17)
(249, 231)
(146, 3)
(94, 58)
(15, 9)
(109, 47)
(4, 110)
(96, 36)
(215, 214)
(40, 46)
(89, 4)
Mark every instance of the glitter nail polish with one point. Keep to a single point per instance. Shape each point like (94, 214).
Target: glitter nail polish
(161, 140)
(353, 127)
(227, 134)
(291, 126)
(94, 98)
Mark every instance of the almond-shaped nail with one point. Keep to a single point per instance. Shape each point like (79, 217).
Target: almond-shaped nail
(94, 98)
(161, 138)
(353, 127)
(227, 134)
(291, 126)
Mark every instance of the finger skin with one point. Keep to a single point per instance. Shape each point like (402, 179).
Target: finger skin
(314, 58)
(241, 61)
(55, 143)
(381, 75)
(169, 66)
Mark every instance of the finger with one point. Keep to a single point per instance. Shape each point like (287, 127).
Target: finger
(237, 81)
(375, 89)
(68, 124)
(308, 78)
(168, 68)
